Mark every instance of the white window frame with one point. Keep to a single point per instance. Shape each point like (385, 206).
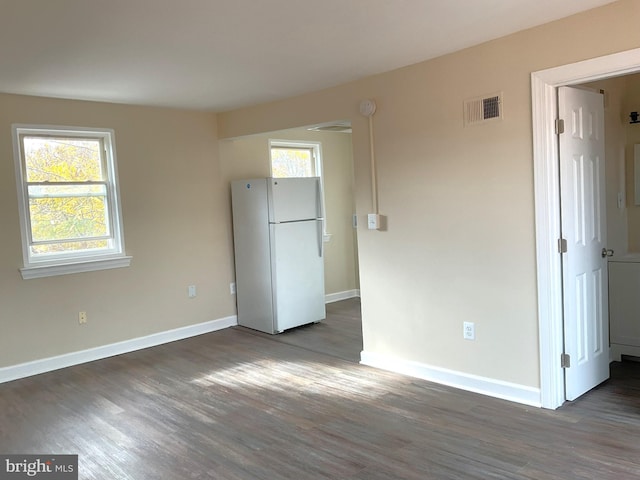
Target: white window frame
(316, 148)
(36, 266)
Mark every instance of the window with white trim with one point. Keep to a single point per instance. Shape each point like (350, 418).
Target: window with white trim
(293, 160)
(68, 200)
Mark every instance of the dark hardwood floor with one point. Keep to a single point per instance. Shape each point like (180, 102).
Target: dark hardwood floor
(340, 335)
(237, 405)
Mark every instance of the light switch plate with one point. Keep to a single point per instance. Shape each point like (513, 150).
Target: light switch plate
(373, 221)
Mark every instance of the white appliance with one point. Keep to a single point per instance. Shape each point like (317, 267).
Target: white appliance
(278, 242)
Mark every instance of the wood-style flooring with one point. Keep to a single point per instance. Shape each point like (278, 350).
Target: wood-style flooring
(340, 335)
(241, 406)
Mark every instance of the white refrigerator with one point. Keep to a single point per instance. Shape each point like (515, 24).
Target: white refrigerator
(278, 243)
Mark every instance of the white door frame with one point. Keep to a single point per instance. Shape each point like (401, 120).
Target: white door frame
(544, 85)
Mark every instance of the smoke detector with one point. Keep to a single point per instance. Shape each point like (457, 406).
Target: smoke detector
(367, 108)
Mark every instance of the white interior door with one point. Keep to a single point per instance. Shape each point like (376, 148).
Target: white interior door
(584, 268)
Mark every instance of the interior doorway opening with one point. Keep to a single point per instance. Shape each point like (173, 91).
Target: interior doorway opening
(332, 153)
(544, 85)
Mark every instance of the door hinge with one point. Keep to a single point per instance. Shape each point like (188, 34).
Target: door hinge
(565, 360)
(559, 126)
(562, 245)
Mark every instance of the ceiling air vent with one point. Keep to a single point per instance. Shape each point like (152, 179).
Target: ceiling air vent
(341, 127)
(483, 109)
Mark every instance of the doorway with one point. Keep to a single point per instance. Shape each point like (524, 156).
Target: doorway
(328, 151)
(544, 86)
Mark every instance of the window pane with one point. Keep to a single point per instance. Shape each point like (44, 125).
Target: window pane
(291, 162)
(54, 248)
(49, 159)
(60, 218)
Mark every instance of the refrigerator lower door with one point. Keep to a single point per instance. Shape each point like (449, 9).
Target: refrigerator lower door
(297, 274)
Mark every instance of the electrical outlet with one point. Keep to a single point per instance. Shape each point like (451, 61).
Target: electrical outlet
(469, 330)
(82, 318)
(232, 288)
(192, 291)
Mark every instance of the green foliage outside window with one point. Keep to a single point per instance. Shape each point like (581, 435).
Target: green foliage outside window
(67, 191)
(292, 162)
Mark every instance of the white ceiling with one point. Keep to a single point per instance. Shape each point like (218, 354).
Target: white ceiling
(223, 54)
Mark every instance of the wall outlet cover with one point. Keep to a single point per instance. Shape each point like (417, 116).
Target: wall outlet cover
(469, 330)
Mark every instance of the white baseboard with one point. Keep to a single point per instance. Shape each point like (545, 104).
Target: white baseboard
(36, 367)
(617, 350)
(336, 297)
(464, 381)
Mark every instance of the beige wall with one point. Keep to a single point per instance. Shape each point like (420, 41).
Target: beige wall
(622, 97)
(459, 201)
(631, 103)
(175, 224)
(248, 157)
(615, 170)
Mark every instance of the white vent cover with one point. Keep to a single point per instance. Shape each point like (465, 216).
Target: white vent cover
(483, 109)
(341, 127)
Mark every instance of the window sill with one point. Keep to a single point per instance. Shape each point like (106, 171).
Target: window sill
(41, 271)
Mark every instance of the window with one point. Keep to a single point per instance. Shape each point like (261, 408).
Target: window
(68, 199)
(293, 161)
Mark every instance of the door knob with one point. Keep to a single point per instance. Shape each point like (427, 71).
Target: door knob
(607, 253)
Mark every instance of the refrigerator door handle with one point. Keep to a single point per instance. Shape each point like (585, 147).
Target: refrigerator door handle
(319, 199)
(320, 237)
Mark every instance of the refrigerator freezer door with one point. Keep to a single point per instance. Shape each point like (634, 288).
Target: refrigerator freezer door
(252, 255)
(298, 274)
(293, 199)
